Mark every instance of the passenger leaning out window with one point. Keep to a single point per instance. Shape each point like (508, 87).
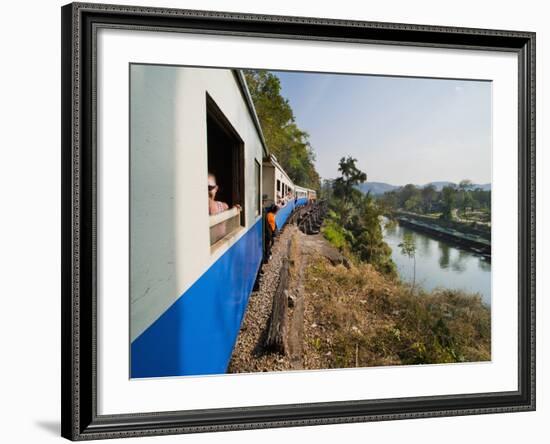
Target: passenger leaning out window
(215, 206)
(222, 229)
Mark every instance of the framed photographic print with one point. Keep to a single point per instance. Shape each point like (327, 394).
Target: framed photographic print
(280, 221)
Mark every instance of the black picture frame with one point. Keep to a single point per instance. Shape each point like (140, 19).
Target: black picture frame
(80, 420)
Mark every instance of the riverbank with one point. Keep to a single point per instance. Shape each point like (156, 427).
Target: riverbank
(361, 318)
(474, 238)
(343, 313)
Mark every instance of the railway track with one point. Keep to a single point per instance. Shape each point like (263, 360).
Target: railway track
(271, 336)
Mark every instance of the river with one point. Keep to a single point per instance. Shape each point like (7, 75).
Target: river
(440, 264)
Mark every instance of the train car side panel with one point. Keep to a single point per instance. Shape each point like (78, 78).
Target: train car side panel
(169, 221)
(283, 214)
(184, 341)
(268, 184)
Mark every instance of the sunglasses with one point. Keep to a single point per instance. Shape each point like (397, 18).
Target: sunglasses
(211, 187)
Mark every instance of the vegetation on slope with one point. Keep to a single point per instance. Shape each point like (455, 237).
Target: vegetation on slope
(364, 315)
(353, 222)
(362, 318)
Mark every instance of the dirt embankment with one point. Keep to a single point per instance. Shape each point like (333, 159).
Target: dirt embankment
(360, 318)
(250, 354)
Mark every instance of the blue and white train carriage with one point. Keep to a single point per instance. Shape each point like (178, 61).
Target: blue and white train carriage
(190, 273)
(278, 189)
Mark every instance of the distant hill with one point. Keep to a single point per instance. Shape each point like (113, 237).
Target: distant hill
(378, 188)
(439, 185)
(483, 186)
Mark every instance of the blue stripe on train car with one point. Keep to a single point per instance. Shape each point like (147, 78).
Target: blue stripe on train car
(302, 201)
(196, 335)
(283, 214)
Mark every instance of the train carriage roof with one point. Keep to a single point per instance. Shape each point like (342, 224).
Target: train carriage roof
(251, 108)
(271, 159)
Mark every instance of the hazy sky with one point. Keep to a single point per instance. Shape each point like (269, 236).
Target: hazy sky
(401, 130)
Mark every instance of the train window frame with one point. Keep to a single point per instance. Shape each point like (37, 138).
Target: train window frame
(258, 183)
(214, 115)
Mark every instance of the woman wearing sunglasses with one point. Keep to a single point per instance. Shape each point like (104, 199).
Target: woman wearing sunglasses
(214, 206)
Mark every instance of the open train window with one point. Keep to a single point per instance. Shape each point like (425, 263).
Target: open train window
(226, 163)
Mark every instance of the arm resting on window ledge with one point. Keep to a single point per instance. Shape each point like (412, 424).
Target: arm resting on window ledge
(215, 219)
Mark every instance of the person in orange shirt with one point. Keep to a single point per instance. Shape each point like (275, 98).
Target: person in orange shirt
(270, 230)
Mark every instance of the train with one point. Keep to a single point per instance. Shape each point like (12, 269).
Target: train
(191, 273)
(278, 189)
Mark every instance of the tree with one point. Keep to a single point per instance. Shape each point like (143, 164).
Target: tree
(389, 201)
(408, 192)
(465, 185)
(448, 195)
(465, 199)
(326, 189)
(429, 194)
(353, 221)
(413, 203)
(408, 248)
(345, 186)
(283, 137)
(428, 200)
